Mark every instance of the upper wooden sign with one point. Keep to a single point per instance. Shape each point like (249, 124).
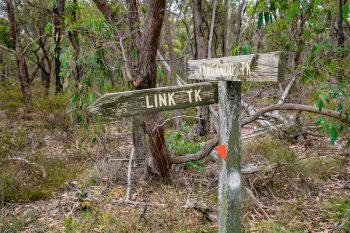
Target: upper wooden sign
(152, 100)
(265, 67)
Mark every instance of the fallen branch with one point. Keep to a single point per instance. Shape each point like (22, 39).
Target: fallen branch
(197, 156)
(139, 203)
(128, 189)
(251, 112)
(297, 107)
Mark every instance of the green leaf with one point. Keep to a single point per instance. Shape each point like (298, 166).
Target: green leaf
(345, 11)
(133, 53)
(339, 107)
(245, 50)
(48, 28)
(333, 132)
(92, 97)
(260, 20)
(319, 104)
(267, 18)
(324, 97)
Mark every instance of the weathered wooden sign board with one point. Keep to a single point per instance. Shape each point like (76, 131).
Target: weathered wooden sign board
(147, 101)
(253, 67)
(227, 72)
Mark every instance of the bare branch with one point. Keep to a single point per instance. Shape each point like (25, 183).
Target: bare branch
(127, 196)
(8, 49)
(297, 107)
(197, 156)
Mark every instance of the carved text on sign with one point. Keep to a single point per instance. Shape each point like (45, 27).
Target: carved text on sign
(226, 69)
(167, 99)
(131, 103)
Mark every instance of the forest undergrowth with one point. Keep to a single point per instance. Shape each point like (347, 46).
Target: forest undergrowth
(70, 182)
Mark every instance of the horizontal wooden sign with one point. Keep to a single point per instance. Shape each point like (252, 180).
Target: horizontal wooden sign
(152, 100)
(265, 67)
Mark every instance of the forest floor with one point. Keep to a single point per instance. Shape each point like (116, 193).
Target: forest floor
(70, 187)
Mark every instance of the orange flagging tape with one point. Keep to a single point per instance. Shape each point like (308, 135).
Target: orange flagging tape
(221, 151)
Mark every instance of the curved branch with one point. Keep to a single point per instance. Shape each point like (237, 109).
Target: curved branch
(297, 107)
(8, 49)
(197, 156)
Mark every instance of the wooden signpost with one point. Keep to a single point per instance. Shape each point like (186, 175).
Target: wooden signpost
(227, 72)
(130, 103)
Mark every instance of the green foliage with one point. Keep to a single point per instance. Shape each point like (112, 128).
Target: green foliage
(196, 165)
(333, 96)
(5, 38)
(179, 144)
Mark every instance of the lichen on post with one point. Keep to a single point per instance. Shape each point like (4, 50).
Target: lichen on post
(229, 170)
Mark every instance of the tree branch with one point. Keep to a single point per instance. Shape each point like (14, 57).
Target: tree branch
(8, 49)
(297, 107)
(106, 9)
(197, 156)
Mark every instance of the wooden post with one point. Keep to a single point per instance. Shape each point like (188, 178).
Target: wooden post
(230, 170)
(228, 72)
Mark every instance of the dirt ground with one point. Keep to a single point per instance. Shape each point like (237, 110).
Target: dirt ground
(301, 187)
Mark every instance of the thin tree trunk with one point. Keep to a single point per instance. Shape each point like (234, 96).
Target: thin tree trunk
(22, 69)
(211, 30)
(261, 33)
(340, 38)
(74, 39)
(172, 73)
(3, 71)
(228, 32)
(58, 26)
(139, 137)
(241, 4)
(201, 126)
(45, 79)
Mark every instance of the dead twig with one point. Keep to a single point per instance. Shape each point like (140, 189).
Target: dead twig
(127, 196)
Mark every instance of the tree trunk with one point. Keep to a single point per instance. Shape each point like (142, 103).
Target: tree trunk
(261, 33)
(201, 125)
(340, 38)
(146, 78)
(228, 33)
(172, 73)
(22, 69)
(3, 71)
(241, 4)
(58, 24)
(45, 78)
(138, 137)
(74, 39)
(211, 30)
(146, 41)
(138, 132)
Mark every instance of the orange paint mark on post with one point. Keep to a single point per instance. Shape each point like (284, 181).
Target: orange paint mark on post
(221, 151)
